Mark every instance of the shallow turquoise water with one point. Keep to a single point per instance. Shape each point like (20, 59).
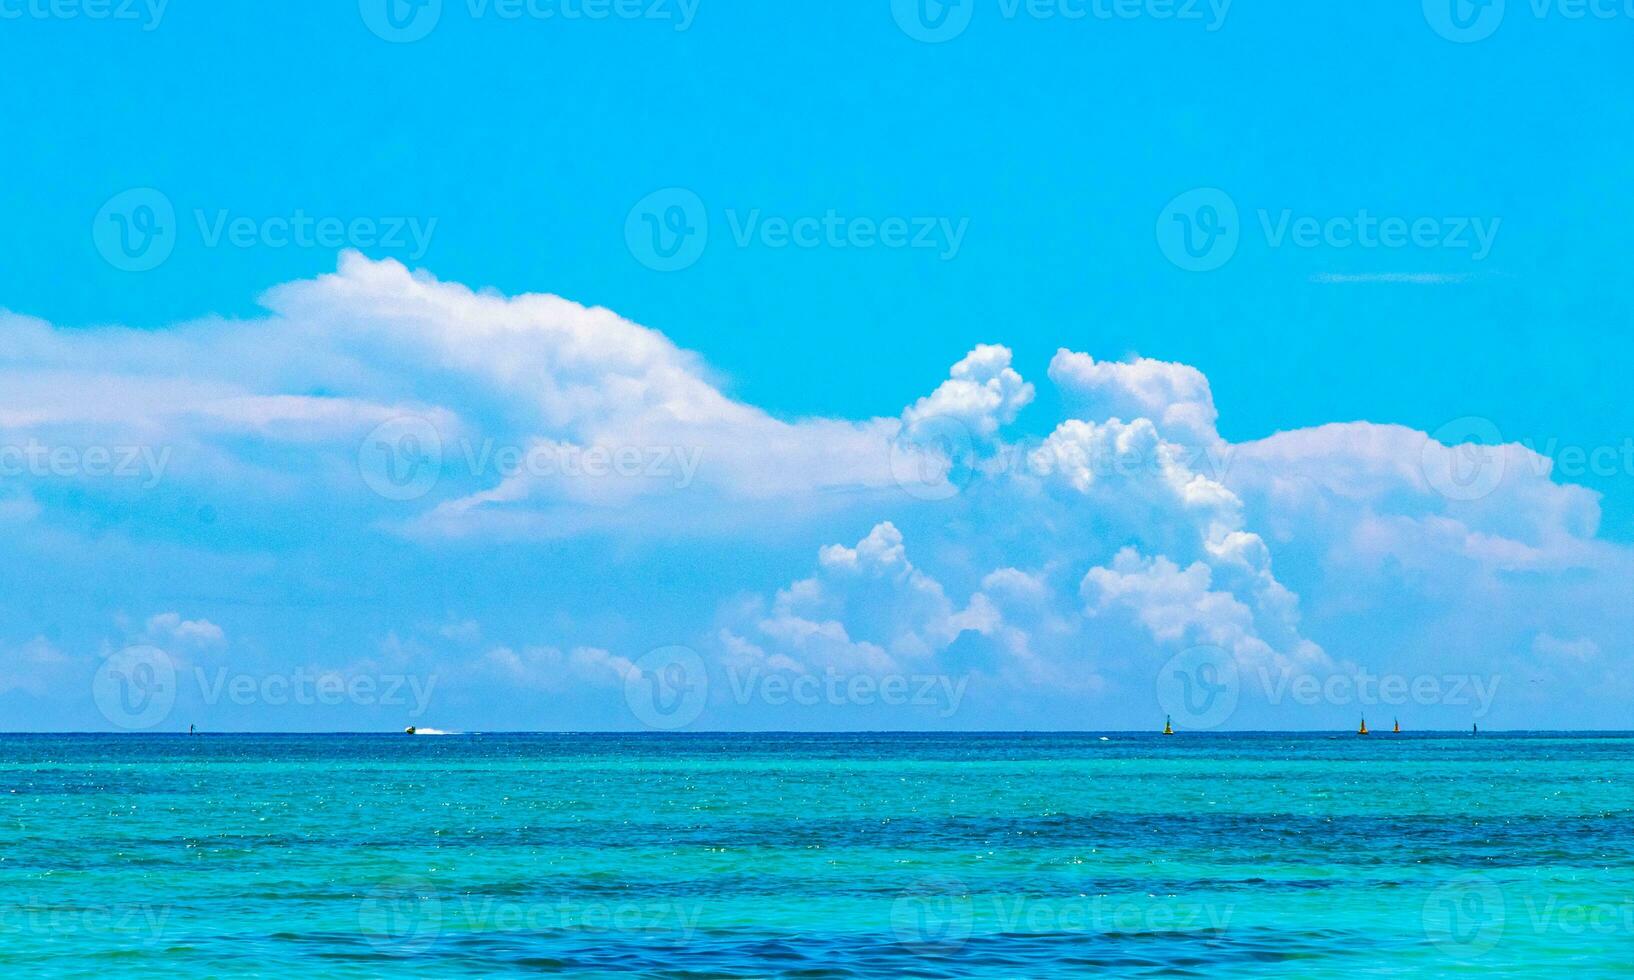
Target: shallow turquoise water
(816, 856)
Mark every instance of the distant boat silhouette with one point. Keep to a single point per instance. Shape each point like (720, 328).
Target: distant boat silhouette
(1168, 729)
(1363, 729)
(1398, 726)
(1475, 729)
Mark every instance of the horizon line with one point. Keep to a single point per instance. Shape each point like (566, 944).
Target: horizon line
(840, 731)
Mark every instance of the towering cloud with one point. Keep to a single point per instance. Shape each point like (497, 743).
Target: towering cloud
(555, 459)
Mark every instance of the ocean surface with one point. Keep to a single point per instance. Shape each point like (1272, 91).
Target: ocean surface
(817, 855)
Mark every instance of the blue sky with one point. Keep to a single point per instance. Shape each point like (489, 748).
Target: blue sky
(1041, 159)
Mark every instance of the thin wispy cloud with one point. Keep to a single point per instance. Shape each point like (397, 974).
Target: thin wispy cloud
(1412, 278)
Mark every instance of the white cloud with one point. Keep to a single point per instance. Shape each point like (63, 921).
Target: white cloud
(170, 627)
(1175, 397)
(866, 609)
(1181, 607)
(465, 632)
(1580, 649)
(548, 668)
(36, 667)
(1414, 278)
(982, 392)
(1064, 565)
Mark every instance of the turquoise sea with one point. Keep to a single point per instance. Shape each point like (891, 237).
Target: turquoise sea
(817, 855)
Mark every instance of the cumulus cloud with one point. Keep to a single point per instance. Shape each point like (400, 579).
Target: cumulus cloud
(1182, 607)
(544, 416)
(1059, 568)
(867, 608)
(982, 392)
(1174, 397)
